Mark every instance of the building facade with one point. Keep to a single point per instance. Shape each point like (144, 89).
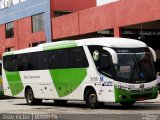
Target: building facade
(32, 22)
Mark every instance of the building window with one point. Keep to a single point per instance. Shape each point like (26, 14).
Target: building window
(9, 49)
(9, 30)
(37, 43)
(60, 13)
(38, 22)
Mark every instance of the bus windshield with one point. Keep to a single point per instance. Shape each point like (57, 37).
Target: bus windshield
(134, 66)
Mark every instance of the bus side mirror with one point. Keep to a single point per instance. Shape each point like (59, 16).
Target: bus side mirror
(113, 54)
(153, 53)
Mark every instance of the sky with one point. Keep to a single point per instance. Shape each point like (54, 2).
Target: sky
(102, 2)
(4, 3)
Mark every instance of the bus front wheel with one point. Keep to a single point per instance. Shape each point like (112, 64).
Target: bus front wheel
(30, 98)
(91, 99)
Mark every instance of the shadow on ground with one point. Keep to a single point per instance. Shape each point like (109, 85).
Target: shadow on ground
(6, 97)
(109, 106)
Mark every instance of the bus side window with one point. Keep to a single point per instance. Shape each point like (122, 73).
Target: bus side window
(11, 63)
(78, 58)
(105, 66)
(28, 63)
(21, 61)
(102, 60)
(61, 59)
(51, 59)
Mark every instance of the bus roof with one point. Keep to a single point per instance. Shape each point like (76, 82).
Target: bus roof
(115, 42)
(102, 41)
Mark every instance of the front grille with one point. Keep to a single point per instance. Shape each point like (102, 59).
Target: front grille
(144, 90)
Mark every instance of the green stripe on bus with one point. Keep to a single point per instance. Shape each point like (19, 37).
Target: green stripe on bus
(59, 46)
(14, 81)
(67, 80)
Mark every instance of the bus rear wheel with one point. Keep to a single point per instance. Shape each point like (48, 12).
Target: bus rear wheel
(91, 99)
(30, 98)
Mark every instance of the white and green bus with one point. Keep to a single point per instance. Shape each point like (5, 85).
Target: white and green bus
(96, 70)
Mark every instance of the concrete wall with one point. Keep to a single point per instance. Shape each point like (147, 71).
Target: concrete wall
(23, 35)
(113, 15)
(21, 15)
(73, 5)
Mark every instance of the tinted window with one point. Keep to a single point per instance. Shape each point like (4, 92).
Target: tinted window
(38, 22)
(102, 60)
(78, 58)
(9, 30)
(56, 59)
(10, 63)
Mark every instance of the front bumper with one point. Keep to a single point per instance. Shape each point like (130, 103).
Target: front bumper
(122, 95)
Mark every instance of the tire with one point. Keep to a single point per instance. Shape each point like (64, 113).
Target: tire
(60, 102)
(127, 104)
(91, 99)
(30, 98)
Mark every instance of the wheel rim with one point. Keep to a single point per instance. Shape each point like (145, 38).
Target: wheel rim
(30, 97)
(92, 99)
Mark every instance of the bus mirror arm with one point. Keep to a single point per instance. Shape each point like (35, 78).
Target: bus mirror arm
(113, 54)
(153, 54)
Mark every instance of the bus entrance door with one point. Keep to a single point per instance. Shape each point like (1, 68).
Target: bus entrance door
(107, 89)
